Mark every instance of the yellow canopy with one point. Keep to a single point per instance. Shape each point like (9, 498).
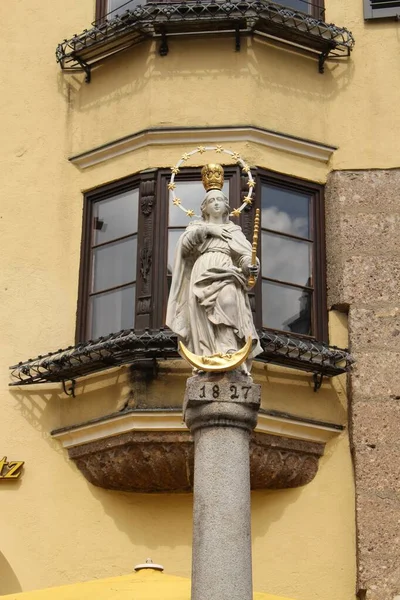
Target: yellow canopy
(146, 584)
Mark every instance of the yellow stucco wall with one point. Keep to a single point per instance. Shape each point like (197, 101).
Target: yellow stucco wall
(67, 530)
(55, 527)
(205, 83)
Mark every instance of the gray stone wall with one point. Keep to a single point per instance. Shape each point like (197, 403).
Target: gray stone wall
(363, 269)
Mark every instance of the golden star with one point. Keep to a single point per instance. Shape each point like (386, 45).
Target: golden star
(190, 213)
(247, 200)
(236, 213)
(176, 201)
(246, 169)
(175, 170)
(171, 186)
(236, 157)
(185, 156)
(219, 149)
(201, 149)
(251, 183)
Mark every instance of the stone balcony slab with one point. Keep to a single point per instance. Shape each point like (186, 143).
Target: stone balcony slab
(151, 451)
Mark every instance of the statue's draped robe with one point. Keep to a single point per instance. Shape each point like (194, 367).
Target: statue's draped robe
(208, 306)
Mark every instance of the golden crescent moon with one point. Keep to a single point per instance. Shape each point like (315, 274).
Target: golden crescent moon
(217, 363)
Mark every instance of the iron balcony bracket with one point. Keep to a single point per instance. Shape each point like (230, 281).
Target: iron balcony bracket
(237, 39)
(71, 390)
(86, 68)
(321, 61)
(163, 50)
(317, 378)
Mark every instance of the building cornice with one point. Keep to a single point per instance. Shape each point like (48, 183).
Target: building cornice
(270, 423)
(202, 135)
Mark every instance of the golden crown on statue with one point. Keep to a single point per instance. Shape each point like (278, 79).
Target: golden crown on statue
(212, 176)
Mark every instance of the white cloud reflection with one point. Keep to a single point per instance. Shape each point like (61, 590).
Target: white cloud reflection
(273, 218)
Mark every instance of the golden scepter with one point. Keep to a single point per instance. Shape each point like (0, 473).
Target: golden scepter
(252, 280)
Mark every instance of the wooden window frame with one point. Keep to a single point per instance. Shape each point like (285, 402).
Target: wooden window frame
(318, 10)
(86, 265)
(151, 273)
(317, 234)
(101, 10)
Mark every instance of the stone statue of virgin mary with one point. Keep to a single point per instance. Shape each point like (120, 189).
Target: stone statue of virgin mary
(208, 306)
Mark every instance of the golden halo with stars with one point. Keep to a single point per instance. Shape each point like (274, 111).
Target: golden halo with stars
(248, 200)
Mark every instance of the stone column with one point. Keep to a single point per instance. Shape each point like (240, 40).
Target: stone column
(221, 411)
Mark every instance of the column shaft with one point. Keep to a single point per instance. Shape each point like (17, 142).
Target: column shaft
(221, 519)
(221, 411)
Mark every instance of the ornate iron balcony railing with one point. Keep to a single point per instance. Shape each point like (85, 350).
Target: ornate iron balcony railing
(129, 346)
(163, 19)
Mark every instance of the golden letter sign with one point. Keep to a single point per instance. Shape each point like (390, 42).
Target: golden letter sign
(10, 470)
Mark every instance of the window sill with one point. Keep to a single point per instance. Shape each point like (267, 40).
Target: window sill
(161, 20)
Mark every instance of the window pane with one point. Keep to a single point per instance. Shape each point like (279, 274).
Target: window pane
(191, 194)
(113, 311)
(286, 259)
(120, 6)
(114, 264)
(116, 216)
(286, 308)
(297, 5)
(285, 210)
(173, 237)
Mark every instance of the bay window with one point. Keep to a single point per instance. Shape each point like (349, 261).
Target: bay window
(131, 229)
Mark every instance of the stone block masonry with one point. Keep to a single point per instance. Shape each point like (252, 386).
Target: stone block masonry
(363, 268)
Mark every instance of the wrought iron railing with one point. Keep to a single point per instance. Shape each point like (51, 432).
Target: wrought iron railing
(128, 346)
(310, 8)
(162, 19)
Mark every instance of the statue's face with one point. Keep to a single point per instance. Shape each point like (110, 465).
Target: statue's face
(215, 204)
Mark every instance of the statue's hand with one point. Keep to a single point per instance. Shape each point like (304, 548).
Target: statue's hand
(254, 270)
(250, 269)
(221, 232)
